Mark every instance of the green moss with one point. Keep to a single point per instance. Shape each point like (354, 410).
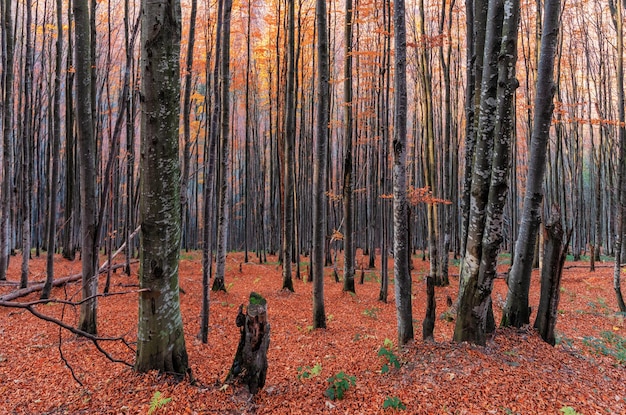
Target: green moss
(257, 299)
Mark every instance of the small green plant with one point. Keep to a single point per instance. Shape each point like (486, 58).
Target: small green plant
(568, 410)
(387, 352)
(371, 312)
(610, 344)
(339, 384)
(157, 402)
(393, 402)
(308, 372)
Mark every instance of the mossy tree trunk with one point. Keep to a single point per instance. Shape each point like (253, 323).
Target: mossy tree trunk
(160, 339)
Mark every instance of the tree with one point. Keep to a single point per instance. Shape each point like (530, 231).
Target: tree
(160, 337)
(7, 136)
(616, 12)
(348, 201)
(516, 311)
(290, 142)
(401, 252)
(320, 166)
(184, 180)
(27, 143)
(490, 178)
(56, 140)
(224, 162)
(87, 156)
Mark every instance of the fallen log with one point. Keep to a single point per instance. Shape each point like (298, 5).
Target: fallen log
(56, 283)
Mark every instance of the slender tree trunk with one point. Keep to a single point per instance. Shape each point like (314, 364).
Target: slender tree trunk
(56, 141)
(289, 138)
(87, 155)
(401, 251)
(184, 180)
(27, 158)
(70, 212)
(223, 177)
(616, 11)
(516, 311)
(348, 202)
(7, 139)
(160, 337)
(320, 167)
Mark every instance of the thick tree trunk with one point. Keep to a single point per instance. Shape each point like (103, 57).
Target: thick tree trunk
(87, 156)
(475, 290)
(553, 260)
(516, 311)
(160, 337)
(250, 360)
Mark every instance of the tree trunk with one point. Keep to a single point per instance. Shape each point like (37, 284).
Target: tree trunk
(348, 202)
(160, 337)
(553, 260)
(87, 156)
(320, 167)
(475, 289)
(401, 252)
(184, 179)
(616, 12)
(27, 158)
(223, 176)
(251, 357)
(7, 139)
(56, 140)
(289, 162)
(516, 311)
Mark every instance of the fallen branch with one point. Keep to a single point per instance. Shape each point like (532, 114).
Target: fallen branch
(94, 339)
(56, 283)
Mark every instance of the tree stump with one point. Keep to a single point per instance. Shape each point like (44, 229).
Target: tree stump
(250, 362)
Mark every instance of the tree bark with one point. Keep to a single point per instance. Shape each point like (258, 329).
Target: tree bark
(401, 252)
(56, 140)
(87, 166)
(348, 201)
(516, 311)
(224, 163)
(553, 260)
(7, 138)
(160, 337)
(250, 360)
(616, 11)
(290, 141)
(320, 167)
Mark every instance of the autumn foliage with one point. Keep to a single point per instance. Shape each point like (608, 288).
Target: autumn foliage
(515, 373)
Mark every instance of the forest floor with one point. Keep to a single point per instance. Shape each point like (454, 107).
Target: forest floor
(515, 373)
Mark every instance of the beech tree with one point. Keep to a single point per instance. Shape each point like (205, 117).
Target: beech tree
(320, 167)
(401, 251)
(87, 155)
(516, 311)
(160, 337)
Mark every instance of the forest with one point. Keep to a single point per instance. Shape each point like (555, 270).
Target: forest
(421, 203)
